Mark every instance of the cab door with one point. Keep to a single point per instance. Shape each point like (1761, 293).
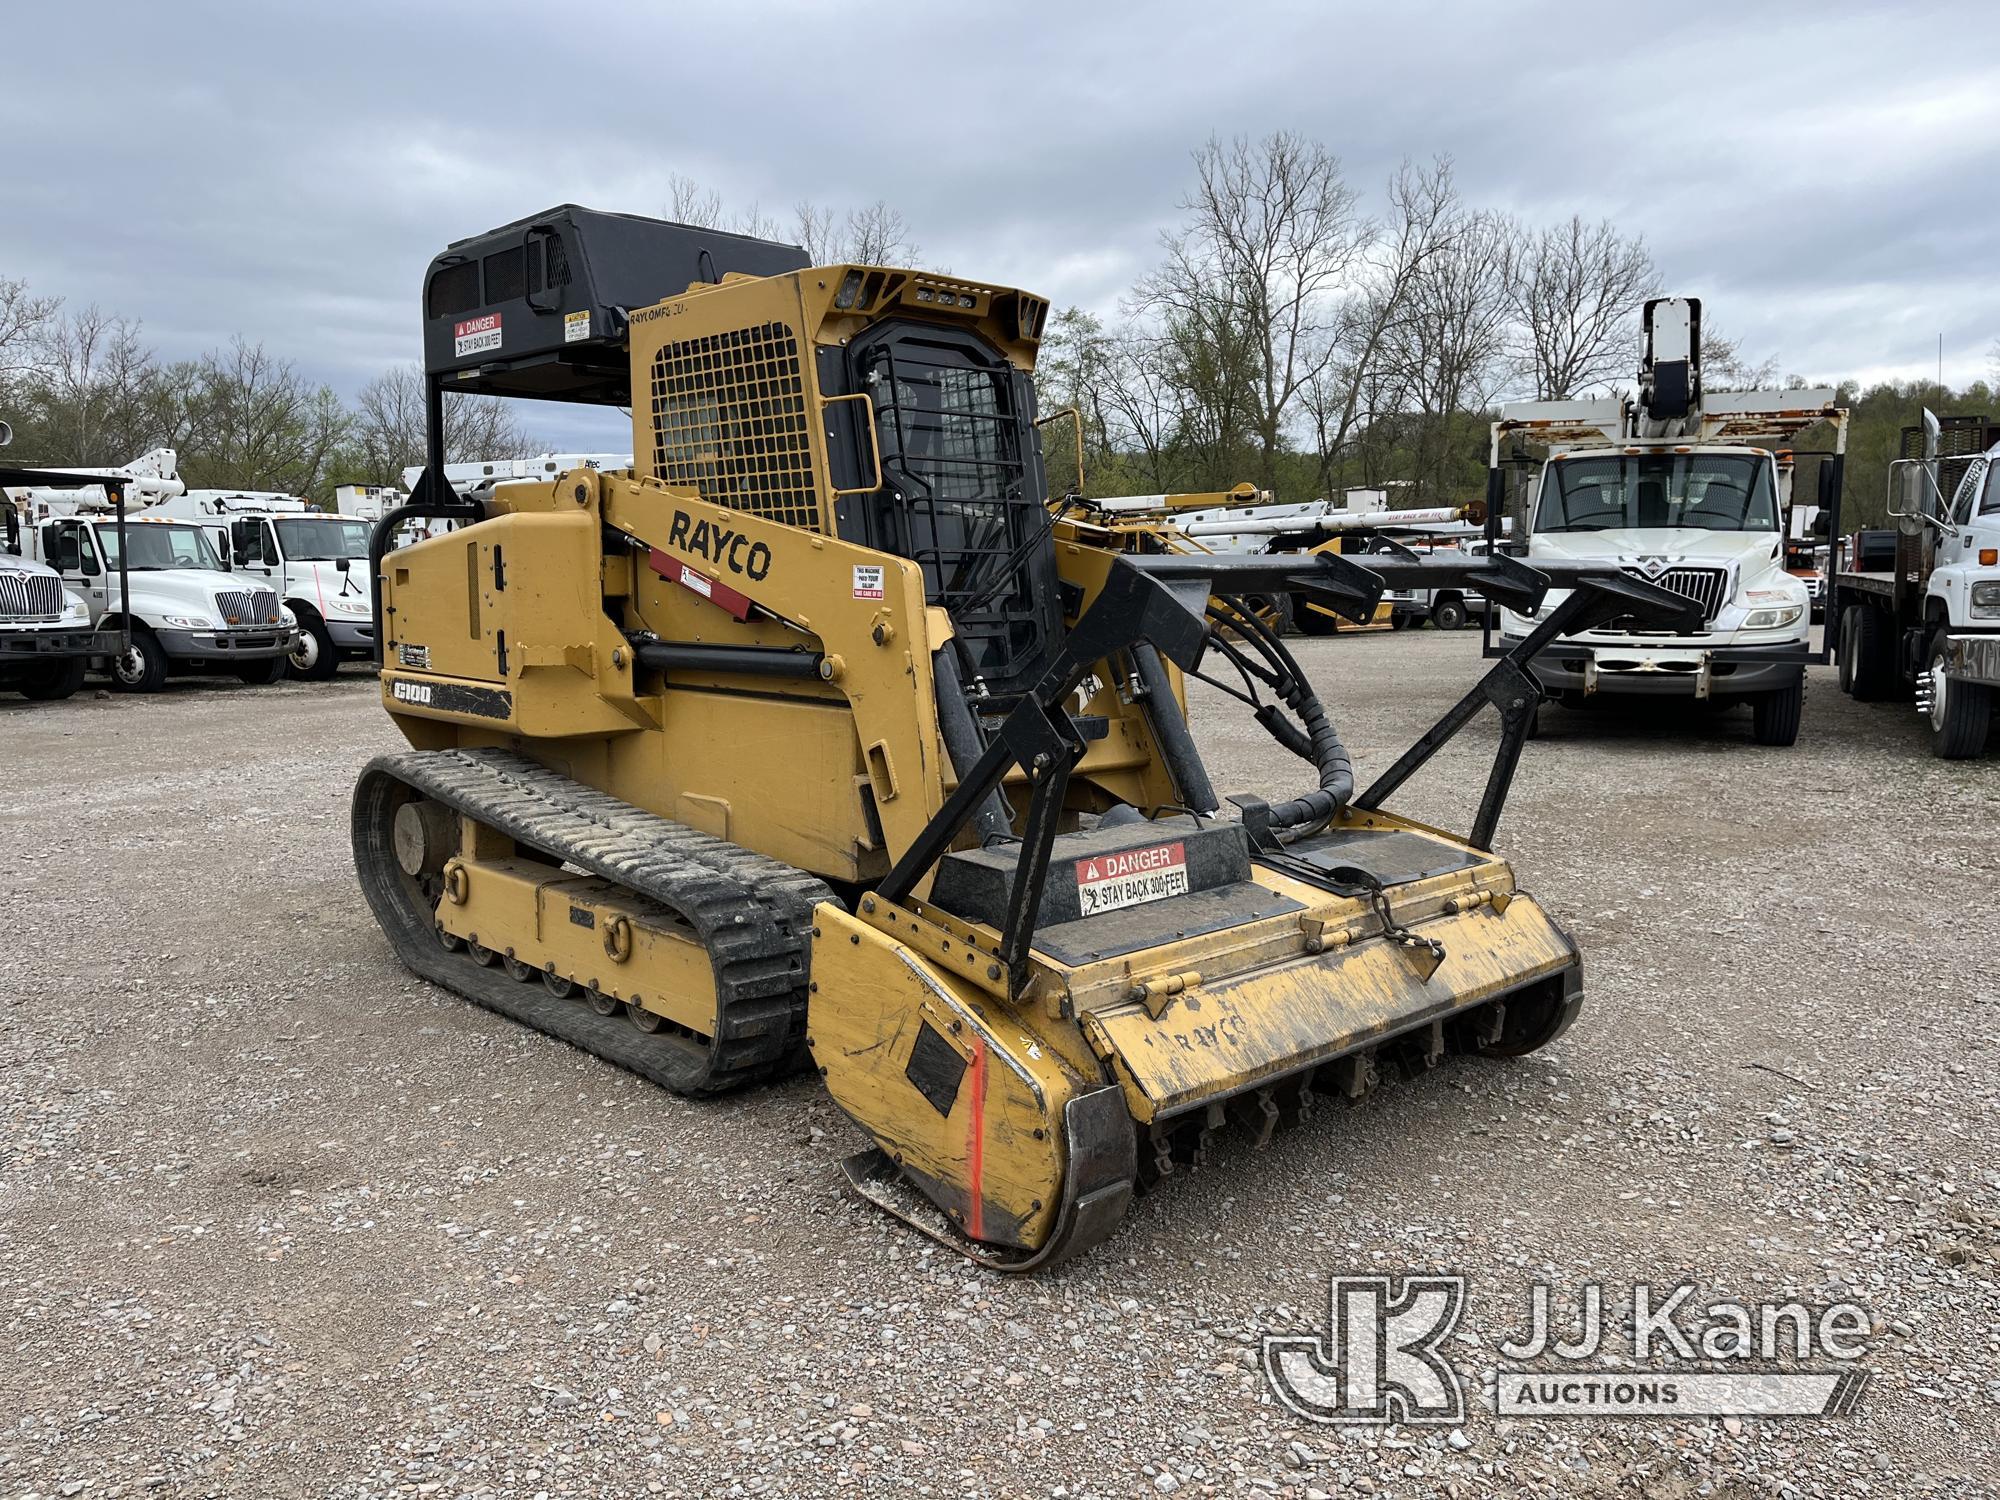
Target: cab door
(1955, 548)
(98, 587)
(66, 547)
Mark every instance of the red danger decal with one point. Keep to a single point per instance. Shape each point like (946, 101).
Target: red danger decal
(1105, 882)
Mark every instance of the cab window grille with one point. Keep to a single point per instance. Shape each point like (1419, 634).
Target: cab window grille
(455, 289)
(507, 275)
(965, 497)
(729, 422)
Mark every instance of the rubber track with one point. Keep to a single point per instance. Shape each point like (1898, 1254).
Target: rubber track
(753, 914)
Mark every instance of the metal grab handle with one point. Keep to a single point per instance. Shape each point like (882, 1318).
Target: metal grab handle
(874, 440)
(1077, 417)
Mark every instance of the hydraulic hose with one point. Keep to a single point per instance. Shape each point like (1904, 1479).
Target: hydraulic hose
(1313, 738)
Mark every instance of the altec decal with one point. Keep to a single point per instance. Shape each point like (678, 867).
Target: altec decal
(1105, 882)
(476, 335)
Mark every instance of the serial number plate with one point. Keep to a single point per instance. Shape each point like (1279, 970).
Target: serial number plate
(1131, 877)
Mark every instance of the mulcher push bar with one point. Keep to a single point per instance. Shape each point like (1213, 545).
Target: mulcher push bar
(1163, 601)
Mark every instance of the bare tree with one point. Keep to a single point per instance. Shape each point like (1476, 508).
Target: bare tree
(877, 235)
(818, 233)
(389, 426)
(1342, 397)
(1576, 290)
(688, 202)
(88, 391)
(261, 425)
(1724, 366)
(1271, 236)
(24, 320)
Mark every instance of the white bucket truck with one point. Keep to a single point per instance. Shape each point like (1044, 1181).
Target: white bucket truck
(1681, 488)
(45, 636)
(155, 591)
(316, 562)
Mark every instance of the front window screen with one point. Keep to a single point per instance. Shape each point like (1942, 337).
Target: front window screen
(322, 541)
(1698, 491)
(155, 547)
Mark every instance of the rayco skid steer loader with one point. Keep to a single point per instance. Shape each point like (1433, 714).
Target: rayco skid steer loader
(822, 733)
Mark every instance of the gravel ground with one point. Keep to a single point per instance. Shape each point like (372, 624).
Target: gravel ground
(276, 1219)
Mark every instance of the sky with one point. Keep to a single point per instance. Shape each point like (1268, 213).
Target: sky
(1818, 175)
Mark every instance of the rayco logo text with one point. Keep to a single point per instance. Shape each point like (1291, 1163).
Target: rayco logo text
(720, 545)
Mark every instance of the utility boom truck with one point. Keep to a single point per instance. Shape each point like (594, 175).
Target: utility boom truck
(45, 634)
(158, 590)
(1919, 608)
(1680, 487)
(315, 562)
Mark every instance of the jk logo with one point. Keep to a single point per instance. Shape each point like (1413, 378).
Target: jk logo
(1378, 1360)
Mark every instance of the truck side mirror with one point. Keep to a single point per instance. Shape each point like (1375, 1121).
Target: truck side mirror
(1826, 496)
(340, 565)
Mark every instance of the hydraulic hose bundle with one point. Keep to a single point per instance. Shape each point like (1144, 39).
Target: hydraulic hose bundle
(1312, 737)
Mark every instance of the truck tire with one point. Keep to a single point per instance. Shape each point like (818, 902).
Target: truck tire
(1867, 654)
(54, 680)
(142, 668)
(264, 673)
(313, 659)
(1959, 713)
(1448, 614)
(1775, 716)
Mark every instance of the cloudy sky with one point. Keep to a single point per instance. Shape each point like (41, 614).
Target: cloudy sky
(1818, 174)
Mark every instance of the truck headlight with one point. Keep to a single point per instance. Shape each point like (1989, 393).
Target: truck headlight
(1772, 619)
(188, 622)
(1986, 597)
(287, 619)
(350, 606)
(74, 608)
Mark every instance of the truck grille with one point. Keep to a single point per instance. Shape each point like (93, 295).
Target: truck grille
(30, 596)
(1706, 586)
(247, 606)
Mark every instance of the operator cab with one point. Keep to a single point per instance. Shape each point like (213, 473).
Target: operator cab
(947, 471)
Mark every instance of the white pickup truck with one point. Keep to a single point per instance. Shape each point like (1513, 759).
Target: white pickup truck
(1677, 489)
(316, 562)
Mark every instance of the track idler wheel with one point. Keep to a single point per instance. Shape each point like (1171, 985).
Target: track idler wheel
(646, 1020)
(558, 986)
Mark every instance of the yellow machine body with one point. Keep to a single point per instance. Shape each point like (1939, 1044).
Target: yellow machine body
(691, 655)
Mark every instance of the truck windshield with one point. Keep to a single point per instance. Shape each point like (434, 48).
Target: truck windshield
(322, 541)
(1702, 491)
(155, 548)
